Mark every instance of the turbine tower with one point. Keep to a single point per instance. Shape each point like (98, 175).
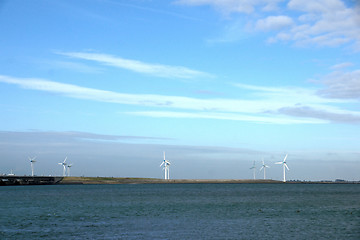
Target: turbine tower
(69, 166)
(32, 161)
(254, 167)
(166, 165)
(64, 166)
(264, 166)
(284, 166)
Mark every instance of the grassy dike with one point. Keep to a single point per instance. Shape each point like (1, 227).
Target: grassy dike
(111, 180)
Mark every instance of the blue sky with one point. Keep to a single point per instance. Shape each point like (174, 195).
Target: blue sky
(215, 84)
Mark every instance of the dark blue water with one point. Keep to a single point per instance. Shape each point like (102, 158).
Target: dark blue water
(181, 211)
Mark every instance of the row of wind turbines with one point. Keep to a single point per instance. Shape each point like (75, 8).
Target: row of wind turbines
(64, 164)
(166, 167)
(264, 166)
(66, 167)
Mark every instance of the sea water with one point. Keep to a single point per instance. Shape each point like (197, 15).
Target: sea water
(181, 211)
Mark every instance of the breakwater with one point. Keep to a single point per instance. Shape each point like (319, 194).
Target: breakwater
(28, 180)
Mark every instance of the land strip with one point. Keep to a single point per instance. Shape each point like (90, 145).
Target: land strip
(111, 180)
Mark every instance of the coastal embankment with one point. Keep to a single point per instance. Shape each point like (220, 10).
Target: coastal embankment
(41, 180)
(113, 180)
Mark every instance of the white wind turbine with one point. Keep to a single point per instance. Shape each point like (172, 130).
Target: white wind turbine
(32, 161)
(166, 165)
(64, 166)
(284, 166)
(69, 166)
(264, 166)
(254, 167)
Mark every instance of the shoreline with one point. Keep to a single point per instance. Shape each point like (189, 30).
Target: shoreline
(109, 180)
(57, 180)
(114, 180)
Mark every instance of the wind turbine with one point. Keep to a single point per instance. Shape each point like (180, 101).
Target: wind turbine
(264, 166)
(32, 161)
(69, 166)
(254, 167)
(64, 166)
(166, 165)
(284, 166)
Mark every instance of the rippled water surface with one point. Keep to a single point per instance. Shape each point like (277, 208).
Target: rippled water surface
(181, 211)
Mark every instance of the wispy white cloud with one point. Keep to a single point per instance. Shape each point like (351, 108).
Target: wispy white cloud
(316, 6)
(310, 103)
(231, 33)
(229, 116)
(266, 108)
(342, 65)
(75, 91)
(68, 137)
(74, 66)
(307, 23)
(292, 95)
(341, 85)
(324, 23)
(272, 23)
(234, 6)
(159, 70)
(154, 10)
(303, 111)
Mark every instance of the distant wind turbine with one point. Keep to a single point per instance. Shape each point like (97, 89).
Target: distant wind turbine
(264, 166)
(32, 161)
(69, 166)
(254, 167)
(64, 166)
(166, 165)
(284, 166)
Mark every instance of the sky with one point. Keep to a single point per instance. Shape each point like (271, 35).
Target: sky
(215, 84)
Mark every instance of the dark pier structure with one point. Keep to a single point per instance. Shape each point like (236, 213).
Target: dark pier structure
(7, 180)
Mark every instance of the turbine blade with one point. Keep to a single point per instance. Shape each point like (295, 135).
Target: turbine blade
(261, 168)
(286, 166)
(285, 158)
(279, 163)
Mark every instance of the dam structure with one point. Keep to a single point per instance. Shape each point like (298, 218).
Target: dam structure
(10, 180)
